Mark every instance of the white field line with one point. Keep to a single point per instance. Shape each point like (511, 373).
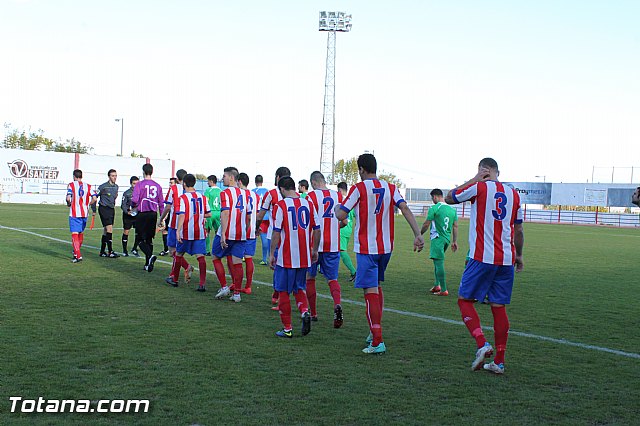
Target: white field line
(398, 311)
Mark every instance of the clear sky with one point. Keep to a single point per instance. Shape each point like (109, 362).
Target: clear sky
(548, 88)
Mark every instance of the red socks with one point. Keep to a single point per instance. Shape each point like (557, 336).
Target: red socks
(219, 269)
(301, 301)
(381, 295)
(334, 288)
(250, 268)
(202, 266)
(472, 321)
(374, 316)
(185, 264)
(237, 276)
(81, 236)
(311, 295)
(501, 332)
(175, 268)
(284, 305)
(75, 242)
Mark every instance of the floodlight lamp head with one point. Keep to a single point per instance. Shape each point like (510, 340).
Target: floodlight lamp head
(334, 21)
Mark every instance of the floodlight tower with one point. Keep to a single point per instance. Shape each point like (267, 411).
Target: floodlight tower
(331, 22)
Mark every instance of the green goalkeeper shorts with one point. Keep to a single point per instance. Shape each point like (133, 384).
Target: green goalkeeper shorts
(438, 247)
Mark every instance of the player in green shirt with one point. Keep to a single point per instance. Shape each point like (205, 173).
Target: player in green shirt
(442, 220)
(212, 223)
(303, 188)
(345, 235)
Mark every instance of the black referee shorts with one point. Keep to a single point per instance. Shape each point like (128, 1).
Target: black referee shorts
(107, 215)
(128, 221)
(146, 225)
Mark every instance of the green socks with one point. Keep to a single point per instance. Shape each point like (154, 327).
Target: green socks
(440, 274)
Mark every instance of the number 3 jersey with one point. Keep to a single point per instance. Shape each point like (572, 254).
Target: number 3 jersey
(193, 206)
(374, 201)
(324, 201)
(294, 218)
(495, 208)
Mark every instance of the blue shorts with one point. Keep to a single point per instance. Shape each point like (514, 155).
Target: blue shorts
(192, 247)
(482, 279)
(172, 239)
(329, 265)
(290, 279)
(250, 248)
(234, 248)
(77, 224)
(370, 269)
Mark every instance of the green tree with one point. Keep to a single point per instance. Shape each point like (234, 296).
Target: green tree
(390, 177)
(347, 171)
(134, 154)
(16, 139)
(200, 176)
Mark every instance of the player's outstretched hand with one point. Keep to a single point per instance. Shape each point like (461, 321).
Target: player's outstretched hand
(179, 237)
(418, 243)
(223, 243)
(272, 262)
(519, 263)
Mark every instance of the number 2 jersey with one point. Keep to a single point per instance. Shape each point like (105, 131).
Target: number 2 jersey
(193, 206)
(495, 208)
(374, 201)
(324, 201)
(294, 218)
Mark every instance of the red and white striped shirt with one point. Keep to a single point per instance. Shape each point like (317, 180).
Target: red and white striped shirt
(193, 206)
(324, 201)
(269, 202)
(80, 198)
(495, 208)
(253, 200)
(173, 199)
(375, 201)
(235, 201)
(295, 218)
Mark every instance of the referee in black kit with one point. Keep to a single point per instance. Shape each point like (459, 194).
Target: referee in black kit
(108, 192)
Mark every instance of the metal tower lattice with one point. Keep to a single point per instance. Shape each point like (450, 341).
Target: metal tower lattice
(331, 22)
(328, 146)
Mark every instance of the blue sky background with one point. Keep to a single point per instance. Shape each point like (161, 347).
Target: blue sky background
(548, 88)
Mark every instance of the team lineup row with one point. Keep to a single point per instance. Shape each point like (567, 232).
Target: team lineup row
(307, 233)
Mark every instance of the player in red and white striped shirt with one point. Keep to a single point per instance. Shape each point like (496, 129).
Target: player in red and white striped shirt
(192, 209)
(496, 240)
(253, 200)
(171, 206)
(79, 198)
(235, 216)
(295, 226)
(324, 201)
(267, 204)
(374, 201)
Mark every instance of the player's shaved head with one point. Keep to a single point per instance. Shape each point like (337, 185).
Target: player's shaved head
(287, 183)
(259, 180)
(77, 173)
(180, 174)
(189, 180)
(317, 177)
(368, 163)
(489, 163)
(231, 172)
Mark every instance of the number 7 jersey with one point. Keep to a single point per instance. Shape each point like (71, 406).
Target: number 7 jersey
(495, 208)
(374, 202)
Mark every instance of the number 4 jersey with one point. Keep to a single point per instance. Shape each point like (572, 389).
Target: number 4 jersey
(495, 208)
(294, 218)
(374, 201)
(240, 206)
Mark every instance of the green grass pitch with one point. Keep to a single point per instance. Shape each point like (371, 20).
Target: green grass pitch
(106, 329)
